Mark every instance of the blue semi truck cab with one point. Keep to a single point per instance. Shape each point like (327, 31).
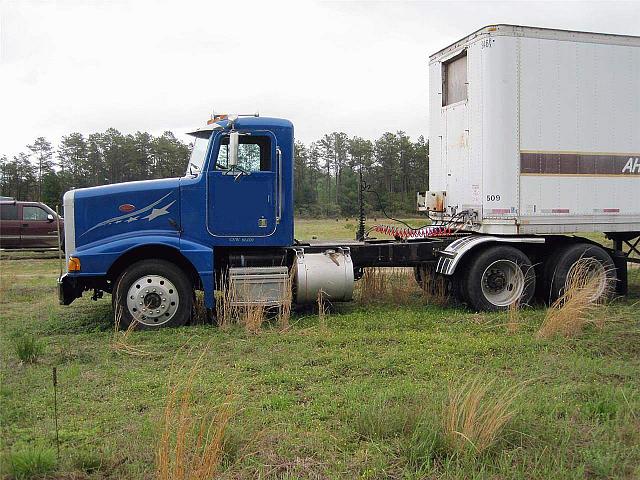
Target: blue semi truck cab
(236, 204)
(228, 224)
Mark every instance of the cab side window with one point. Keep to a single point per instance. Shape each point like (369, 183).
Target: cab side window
(8, 212)
(33, 213)
(254, 153)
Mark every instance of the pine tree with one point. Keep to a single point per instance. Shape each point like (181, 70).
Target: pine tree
(43, 156)
(72, 159)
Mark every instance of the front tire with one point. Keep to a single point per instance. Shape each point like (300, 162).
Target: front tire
(497, 278)
(154, 294)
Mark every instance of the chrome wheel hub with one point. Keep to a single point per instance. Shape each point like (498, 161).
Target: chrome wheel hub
(152, 300)
(503, 283)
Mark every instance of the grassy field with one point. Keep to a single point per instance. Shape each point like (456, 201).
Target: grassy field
(362, 392)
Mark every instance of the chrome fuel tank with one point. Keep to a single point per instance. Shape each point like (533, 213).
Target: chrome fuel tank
(330, 271)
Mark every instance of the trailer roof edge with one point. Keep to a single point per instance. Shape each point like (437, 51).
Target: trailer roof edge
(542, 32)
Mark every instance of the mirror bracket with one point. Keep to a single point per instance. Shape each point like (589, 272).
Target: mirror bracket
(234, 140)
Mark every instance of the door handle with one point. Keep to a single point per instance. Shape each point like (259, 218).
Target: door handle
(279, 197)
(25, 224)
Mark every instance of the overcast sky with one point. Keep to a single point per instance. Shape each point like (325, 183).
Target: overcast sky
(357, 67)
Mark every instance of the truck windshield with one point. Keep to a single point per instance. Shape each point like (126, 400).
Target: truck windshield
(198, 154)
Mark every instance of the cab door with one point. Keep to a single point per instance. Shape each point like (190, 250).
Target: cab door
(10, 221)
(242, 200)
(38, 228)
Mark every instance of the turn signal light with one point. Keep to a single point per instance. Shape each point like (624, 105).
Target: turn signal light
(74, 264)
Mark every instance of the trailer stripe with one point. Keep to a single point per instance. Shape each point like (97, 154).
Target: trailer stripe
(573, 163)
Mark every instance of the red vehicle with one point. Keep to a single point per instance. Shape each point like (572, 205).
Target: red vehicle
(28, 225)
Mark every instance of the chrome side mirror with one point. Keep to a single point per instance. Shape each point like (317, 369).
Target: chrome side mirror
(50, 217)
(234, 140)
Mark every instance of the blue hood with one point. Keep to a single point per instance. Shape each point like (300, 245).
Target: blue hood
(100, 213)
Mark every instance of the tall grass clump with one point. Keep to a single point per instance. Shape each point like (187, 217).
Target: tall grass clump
(570, 313)
(121, 340)
(435, 287)
(426, 447)
(226, 309)
(322, 309)
(34, 462)
(191, 444)
(252, 317)
(200, 313)
(473, 421)
(387, 286)
(89, 460)
(386, 418)
(28, 348)
(284, 311)
(402, 286)
(232, 307)
(373, 285)
(513, 317)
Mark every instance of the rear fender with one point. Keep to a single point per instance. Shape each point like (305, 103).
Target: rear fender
(450, 257)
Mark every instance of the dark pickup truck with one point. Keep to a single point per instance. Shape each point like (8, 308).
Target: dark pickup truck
(28, 225)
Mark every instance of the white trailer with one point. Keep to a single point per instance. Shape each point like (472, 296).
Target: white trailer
(534, 132)
(537, 131)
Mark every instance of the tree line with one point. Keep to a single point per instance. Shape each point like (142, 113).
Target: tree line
(326, 171)
(43, 173)
(327, 174)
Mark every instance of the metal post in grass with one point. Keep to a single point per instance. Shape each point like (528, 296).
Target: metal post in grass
(59, 239)
(55, 408)
(361, 219)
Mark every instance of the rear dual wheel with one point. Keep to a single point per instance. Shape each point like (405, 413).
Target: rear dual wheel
(496, 278)
(576, 266)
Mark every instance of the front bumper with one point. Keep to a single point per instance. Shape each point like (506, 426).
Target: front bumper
(68, 289)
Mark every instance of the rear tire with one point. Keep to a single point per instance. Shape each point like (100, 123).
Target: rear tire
(497, 278)
(153, 293)
(560, 266)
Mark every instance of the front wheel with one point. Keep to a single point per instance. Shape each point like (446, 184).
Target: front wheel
(497, 278)
(154, 294)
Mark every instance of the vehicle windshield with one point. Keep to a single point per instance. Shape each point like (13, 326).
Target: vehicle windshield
(198, 154)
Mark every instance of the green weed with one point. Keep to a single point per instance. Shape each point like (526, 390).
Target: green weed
(28, 348)
(385, 418)
(88, 460)
(30, 463)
